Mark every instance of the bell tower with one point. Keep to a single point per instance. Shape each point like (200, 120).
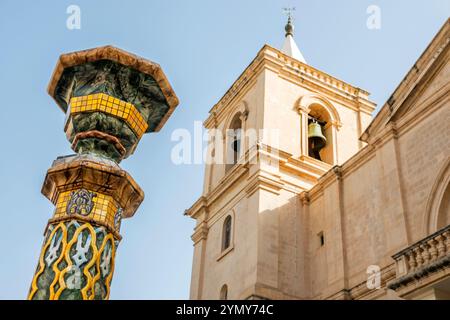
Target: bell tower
(296, 123)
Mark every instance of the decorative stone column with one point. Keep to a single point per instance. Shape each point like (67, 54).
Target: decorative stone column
(111, 98)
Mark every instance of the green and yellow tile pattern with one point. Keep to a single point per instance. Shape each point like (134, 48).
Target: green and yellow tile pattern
(101, 102)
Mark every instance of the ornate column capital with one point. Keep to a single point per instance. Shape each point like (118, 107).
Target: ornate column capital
(302, 110)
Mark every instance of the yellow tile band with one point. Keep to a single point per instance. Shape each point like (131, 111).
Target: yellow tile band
(103, 211)
(102, 102)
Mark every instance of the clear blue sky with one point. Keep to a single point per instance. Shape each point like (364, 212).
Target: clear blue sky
(202, 46)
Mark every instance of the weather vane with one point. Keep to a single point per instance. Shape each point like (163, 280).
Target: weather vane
(289, 28)
(289, 11)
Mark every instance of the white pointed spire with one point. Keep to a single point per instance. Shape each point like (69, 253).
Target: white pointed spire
(289, 46)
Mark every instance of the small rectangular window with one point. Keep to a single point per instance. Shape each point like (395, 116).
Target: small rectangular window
(321, 238)
(226, 233)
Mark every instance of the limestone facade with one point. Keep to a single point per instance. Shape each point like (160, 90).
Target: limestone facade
(308, 229)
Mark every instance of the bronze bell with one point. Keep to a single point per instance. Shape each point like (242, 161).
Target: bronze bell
(316, 139)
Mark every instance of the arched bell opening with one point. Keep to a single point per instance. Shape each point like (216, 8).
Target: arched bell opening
(233, 141)
(320, 134)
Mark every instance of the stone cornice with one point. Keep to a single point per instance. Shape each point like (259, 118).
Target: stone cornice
(339, 172)
(199, 205)
(226, 182)
(410, 119)
(304, 198)
(304, 165)
(263, 180)
(93, 173)
(300, 68)
(316, 80)
(294, 70)
(246, 77)
(361, 291)
(405, 123)
(436, 50)
(260, 291)
(260, 179)
(200, 233)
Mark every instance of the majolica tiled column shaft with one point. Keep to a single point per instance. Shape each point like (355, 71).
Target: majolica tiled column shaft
(111, 98)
